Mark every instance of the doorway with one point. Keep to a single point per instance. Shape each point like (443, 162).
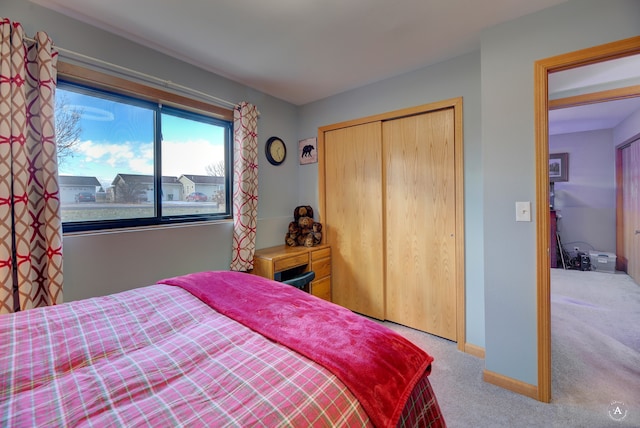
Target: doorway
(541, 72)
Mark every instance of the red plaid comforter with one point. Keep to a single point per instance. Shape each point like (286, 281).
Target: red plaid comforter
(157, 356)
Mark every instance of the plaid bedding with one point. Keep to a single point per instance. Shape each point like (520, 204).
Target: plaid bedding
(158, 356)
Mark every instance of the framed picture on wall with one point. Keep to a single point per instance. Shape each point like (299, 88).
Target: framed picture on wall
(558, 167)
(308, 151)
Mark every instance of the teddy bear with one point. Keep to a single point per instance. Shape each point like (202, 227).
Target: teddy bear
(303, 231)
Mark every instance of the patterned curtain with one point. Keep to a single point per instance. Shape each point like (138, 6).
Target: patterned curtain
(30, 224)
(245, 186)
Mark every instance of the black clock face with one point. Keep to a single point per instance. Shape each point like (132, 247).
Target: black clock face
(275, 150)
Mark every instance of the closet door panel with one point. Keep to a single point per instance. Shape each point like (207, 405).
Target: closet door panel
(418, 152)
(353, 217)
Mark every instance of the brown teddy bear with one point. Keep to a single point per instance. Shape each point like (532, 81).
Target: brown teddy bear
(303, 231)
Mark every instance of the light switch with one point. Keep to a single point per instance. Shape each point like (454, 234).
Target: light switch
(523, 211)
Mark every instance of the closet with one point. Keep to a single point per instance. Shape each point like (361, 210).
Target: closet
(391, 199)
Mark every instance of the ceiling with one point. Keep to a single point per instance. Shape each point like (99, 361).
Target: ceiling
(304, 50)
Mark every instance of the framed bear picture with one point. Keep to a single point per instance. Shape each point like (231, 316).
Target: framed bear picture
(308, 151)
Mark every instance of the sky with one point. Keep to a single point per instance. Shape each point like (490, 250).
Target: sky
(118, 138)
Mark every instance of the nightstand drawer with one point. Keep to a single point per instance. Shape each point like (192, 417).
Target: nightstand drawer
(291, 262)
(321, 267)
(322, 288)
(321, 254)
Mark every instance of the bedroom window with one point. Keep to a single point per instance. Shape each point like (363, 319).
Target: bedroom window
(126, 161)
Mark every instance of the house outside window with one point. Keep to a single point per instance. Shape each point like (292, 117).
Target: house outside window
(72, 187)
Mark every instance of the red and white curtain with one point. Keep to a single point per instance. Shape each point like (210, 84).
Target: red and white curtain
(245, 186)
(30, 224)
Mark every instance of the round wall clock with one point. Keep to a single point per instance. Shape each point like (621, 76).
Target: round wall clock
(275, 150)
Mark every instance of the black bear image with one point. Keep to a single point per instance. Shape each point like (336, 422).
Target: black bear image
(306, 150)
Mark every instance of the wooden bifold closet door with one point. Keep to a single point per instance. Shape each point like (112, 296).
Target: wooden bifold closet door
(390, 216)
(420, 222)
(353, 216)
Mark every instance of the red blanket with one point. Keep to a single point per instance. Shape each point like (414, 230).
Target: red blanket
(379, 366)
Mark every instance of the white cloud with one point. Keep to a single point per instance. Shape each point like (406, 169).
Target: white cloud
(120, 158)
(189, 157)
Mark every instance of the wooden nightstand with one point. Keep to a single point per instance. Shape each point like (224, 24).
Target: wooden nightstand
(283, 262)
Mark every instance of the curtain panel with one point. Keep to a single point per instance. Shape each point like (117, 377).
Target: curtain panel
(245, 186)
(30, 223)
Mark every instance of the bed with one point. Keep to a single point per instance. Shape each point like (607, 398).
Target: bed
(209, 349)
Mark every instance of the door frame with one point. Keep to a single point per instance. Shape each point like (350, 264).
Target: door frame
(542, 69)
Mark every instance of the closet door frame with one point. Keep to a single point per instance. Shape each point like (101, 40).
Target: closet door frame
(456, 105)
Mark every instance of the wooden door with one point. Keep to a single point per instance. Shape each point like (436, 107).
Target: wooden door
(419, 157)
(353, 214)
(631, 208)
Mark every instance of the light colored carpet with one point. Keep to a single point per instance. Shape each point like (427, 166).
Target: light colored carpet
(595, 360)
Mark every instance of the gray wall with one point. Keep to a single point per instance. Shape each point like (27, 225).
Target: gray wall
(508, 54)
(587, 202)
(97, 264)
